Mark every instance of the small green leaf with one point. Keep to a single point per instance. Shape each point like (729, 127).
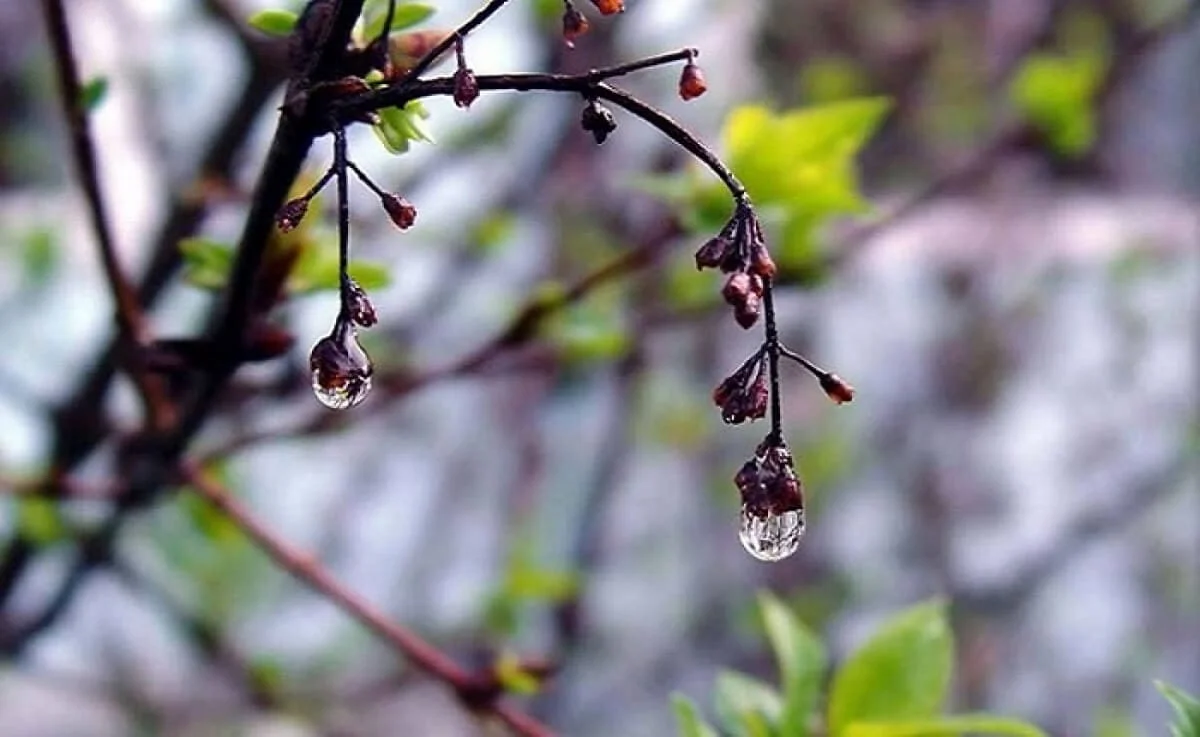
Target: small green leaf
(902, 673)
(92, 93)
(1056, 93)
(744, 703)
(274, 22)
(691, 724)
(398, 127)
(1187, 710)
(40, 255)
(40, 521)
(513, 677)
(801, 658)
(950, 726)
(206, 263)
(407, 15)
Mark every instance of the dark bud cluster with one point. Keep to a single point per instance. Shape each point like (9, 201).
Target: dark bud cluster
(768, 482)
(574, 24)
(597, 120)
(402, 212)
(743, 395)
(740, 251)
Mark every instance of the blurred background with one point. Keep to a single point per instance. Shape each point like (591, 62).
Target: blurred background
(1017, 308)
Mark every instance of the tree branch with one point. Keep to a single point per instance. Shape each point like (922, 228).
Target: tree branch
(309, 571)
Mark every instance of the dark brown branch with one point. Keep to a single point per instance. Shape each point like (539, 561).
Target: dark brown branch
(130, 320)
(310, 572)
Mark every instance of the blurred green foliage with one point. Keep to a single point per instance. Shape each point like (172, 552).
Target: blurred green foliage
(1187, 710)
(893, 686)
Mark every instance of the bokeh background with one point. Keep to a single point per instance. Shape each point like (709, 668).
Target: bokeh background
(1018, 310)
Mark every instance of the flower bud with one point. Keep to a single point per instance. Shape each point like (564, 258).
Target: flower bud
(466, 88)
(761, 262)
(712, 253)
(574, 25)
(737, 288)
(609, 7)
(837, 388)
(691, 82)
(359, 306)
(401, 211)
(290, 215)
(748, 311)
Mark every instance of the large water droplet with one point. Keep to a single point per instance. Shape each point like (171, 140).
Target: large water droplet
(771, 537)
(341, 370)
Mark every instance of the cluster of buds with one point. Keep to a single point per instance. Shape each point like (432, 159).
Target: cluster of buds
(740, 251)
(743, 395)
(597, 120)
(768, 482)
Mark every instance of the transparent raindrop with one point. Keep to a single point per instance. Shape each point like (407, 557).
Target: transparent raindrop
(341, 370)
(771, 537)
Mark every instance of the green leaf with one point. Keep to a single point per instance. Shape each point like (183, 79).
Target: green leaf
(513, 677)
(1187, 710)
(801, 658)
(902, 673)
(407, 15)
(92, 93)
(745, 704)
(950, 726)
(274, 22)
(1056, 93)
(398, 127)
(40, 255)
(40, 521)
(691, 724)
(206, 263)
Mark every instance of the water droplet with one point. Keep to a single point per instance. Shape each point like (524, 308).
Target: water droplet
(771, 537)
(341, 370)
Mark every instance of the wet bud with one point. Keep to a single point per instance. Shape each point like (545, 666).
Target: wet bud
(691, 82)
(341, 370)
(290, 215)
(748, 311)
(761, 262)
(712, 253)
(466, 88)
(401, 211)
(359, 306)
(837, 388)
(737, 288)
(574, 25)
(743, 395)
(609, 7)
(756, 284)
(597, 120)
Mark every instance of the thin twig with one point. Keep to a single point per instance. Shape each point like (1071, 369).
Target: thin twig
(312, 573)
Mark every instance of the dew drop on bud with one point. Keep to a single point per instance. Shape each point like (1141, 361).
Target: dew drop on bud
(771, 537)
(341, 370)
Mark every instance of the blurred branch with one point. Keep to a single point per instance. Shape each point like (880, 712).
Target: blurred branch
(130, 319)
(476, 692)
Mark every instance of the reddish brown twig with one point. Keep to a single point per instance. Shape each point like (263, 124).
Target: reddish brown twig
(309, 571)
